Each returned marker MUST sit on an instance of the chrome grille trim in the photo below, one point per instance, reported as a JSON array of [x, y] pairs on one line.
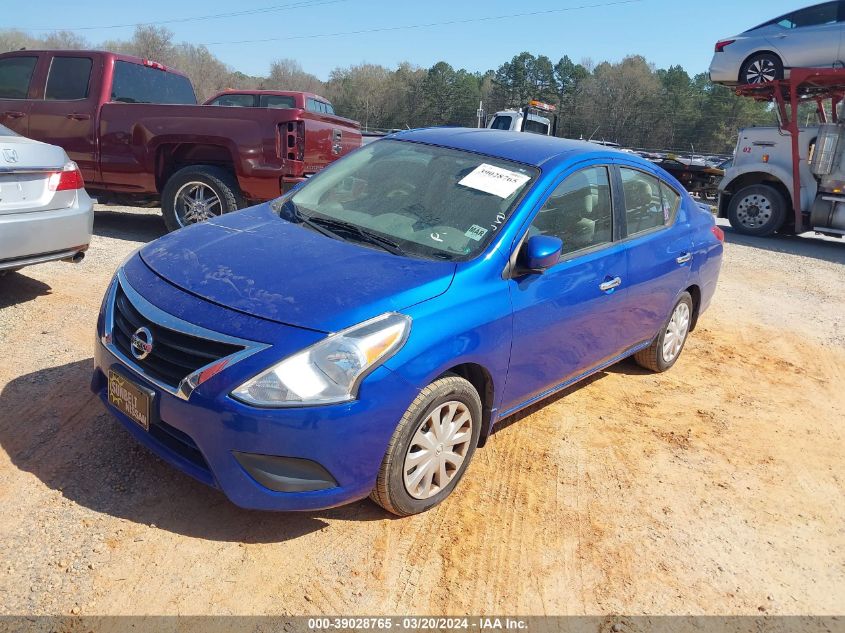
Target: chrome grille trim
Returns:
[[161, 318]]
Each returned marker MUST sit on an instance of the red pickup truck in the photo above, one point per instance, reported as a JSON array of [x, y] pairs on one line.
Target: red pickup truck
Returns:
[[133, 127]]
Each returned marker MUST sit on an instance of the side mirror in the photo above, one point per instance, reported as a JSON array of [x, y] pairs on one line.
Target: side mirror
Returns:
[[540, 253]]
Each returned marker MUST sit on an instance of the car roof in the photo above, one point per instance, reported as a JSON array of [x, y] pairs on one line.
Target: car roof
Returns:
[[531, 149]]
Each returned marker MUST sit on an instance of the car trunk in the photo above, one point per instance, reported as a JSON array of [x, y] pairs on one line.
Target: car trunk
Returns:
[[25, 170]]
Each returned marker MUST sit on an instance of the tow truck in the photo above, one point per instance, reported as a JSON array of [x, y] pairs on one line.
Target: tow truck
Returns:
[[790, 178], [527, 119]]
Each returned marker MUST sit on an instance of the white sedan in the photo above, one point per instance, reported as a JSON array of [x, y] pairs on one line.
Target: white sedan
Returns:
[[45, 213]]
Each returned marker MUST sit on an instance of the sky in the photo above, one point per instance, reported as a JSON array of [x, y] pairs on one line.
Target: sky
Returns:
[[666, 32]]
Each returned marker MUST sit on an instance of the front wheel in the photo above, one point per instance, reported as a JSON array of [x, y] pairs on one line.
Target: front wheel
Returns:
[[668, 345], [198, 193], [431, 447], [758, 210]]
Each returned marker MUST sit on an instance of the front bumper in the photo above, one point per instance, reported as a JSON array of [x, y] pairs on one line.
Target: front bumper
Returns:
[[39, 236], [301, 458]]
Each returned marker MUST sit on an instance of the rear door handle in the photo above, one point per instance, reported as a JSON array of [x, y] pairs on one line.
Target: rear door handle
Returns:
[[79, 116], [611, 284], [685, 258], [14, 115]]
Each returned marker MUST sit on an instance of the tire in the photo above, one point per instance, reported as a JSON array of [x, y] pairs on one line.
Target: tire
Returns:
[[758, 210], [391, 491], [212, 181], [654, 357], [761, 69]]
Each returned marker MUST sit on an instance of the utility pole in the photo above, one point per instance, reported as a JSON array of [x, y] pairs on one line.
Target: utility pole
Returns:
[[480, 114]]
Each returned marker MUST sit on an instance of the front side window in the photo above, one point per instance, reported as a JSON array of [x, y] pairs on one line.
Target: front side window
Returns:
[[134, 83], [314, 105], [281, 102], [235, 101], [15, 75], [579, 211], [649, 203], [68, 78], [432, 202]]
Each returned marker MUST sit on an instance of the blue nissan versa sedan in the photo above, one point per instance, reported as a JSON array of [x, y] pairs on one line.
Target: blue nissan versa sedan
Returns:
[[362, 334]]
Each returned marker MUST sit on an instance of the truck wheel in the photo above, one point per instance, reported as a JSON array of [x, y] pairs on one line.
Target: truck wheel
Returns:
[[761, 69], [197, 193], [430, 448], [757, 210]]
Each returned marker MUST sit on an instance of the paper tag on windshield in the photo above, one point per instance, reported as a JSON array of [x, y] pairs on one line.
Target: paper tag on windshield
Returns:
[[494, 180], [476, 232]]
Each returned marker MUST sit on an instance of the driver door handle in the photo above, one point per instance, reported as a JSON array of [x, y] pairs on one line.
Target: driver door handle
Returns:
[[611, 284], [79, 116], [685, 258]]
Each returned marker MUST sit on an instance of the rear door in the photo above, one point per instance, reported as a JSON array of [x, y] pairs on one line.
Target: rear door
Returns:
[[16, 79], [567, 321], [809, 37], [66, 112], [658, 243]]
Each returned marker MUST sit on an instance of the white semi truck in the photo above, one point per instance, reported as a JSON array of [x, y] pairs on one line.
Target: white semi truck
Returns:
[[790, 178], [527, 119]]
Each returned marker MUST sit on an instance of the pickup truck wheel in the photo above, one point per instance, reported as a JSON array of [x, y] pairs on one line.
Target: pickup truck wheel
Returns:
[[198, 193], [757, 210], [430, 448]]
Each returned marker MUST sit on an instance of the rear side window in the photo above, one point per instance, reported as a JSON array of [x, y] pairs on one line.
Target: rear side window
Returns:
[[134, 83], [281, 102], [827, 13], [68, 78], [579, 211], [15, 75], [235, 101], [649, 203]]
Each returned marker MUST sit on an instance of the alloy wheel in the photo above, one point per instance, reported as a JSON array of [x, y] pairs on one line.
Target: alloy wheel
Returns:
[[760, 71], [197, 202], [437, 450], [676, 332]]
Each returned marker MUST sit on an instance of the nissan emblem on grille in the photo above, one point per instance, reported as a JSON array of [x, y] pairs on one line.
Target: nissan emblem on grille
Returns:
[[142, 343]]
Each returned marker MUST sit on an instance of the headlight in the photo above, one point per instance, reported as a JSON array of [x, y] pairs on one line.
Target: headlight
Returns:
[[330, 371]]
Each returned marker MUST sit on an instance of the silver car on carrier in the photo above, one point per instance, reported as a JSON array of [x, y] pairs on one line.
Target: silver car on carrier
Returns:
[[45, 213], [807, 38]]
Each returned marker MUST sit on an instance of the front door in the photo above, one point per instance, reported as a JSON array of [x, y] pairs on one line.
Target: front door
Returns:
[[566, 321], [809, 37]]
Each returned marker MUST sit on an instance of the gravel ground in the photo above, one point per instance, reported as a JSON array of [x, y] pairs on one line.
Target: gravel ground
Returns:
[[715, 488]]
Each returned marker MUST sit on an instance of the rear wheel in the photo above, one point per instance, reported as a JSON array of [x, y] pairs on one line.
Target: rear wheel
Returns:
[[757, 210], [431, 447], [668, 345], [198, 193], [761, 68]]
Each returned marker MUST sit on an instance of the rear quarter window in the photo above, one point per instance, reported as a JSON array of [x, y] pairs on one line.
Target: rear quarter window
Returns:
[[15, 75], [134, 83], [68, 79]]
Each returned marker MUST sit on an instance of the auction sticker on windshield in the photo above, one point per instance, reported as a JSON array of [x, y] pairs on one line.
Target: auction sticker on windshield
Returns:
[[494, 180], [130, 399]]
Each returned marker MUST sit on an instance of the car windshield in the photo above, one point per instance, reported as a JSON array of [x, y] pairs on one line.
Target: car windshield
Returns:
[[417, 199]]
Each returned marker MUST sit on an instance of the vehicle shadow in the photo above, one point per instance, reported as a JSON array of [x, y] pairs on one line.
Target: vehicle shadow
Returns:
[[829, 250], [142, 225], [16, 288], [73, 445]]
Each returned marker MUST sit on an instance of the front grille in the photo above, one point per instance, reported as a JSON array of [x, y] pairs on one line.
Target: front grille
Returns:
[[178, 442], [175, 355]]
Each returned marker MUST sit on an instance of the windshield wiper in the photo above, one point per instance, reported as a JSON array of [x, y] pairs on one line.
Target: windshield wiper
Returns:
[[363, 234], [295, 215]]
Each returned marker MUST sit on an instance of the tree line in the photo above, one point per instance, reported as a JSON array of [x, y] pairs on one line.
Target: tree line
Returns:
[[630, 102]]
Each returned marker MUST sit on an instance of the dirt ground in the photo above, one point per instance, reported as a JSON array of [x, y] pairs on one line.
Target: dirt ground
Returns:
[[717, 488]]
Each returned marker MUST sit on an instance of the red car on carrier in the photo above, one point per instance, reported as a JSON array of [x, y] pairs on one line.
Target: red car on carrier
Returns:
[[134, 128]]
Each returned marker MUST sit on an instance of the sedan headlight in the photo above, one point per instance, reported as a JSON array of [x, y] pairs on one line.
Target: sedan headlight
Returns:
[[330, 371]]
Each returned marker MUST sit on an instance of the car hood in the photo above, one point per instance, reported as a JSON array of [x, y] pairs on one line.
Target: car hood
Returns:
[[254, 262]]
